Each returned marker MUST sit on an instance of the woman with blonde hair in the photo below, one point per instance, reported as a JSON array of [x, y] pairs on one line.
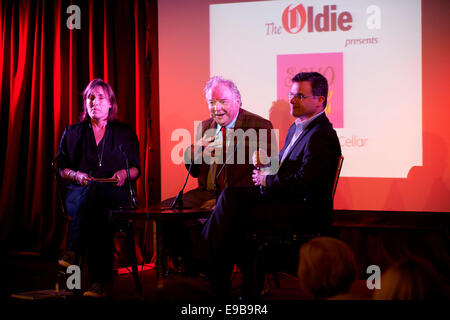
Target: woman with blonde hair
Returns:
[[410, 279], [327, 267]]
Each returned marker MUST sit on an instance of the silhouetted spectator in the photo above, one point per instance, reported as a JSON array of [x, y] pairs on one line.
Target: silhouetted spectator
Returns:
[[327, 267], [410, 279]]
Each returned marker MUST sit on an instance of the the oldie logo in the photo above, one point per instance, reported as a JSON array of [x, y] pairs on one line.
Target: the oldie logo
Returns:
[[294, 19]]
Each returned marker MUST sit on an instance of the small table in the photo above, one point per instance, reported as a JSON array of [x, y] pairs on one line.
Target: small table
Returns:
[[160, 215]]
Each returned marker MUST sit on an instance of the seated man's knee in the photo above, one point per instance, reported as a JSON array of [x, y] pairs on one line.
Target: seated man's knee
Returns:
[[237, 193], [229, 192], [226, 195]]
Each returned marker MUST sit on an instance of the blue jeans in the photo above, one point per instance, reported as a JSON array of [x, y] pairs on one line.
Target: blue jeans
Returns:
[[90, 227]]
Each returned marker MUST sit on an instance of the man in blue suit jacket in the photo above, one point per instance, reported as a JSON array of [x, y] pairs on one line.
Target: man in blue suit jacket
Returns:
[[297, 196]]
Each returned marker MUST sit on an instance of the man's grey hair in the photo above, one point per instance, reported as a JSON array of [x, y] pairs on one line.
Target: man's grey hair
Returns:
[[216, 80]]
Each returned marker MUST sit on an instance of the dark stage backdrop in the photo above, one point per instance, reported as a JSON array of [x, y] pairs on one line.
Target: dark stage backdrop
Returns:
[[44, 67]]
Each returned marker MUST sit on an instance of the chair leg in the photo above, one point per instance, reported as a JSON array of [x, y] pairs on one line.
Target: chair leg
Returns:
[[276, 278], [248, 281], [253, 278], [267, 285], [132, 254], [260, 272]]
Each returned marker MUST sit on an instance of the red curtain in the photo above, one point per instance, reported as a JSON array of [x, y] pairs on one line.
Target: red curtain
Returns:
[[44, 67]]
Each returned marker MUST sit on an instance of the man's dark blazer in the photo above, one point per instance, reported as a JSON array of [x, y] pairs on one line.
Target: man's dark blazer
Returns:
[[234, 174], [306, 176]]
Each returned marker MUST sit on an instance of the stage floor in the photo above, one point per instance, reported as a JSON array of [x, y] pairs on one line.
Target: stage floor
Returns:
[[24, 273]]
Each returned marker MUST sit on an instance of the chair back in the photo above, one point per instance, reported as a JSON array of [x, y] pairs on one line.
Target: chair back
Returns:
[[59, 190], [340, 160]]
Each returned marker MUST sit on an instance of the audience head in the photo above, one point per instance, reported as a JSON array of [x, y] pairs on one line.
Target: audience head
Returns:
[[223, 98], [98, 89], [327, 267], [410, 279]]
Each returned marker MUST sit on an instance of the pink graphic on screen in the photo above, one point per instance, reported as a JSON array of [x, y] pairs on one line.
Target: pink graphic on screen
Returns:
[[329, 65]]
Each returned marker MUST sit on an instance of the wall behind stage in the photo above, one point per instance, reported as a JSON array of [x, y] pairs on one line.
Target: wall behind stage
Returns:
[[184, 68]]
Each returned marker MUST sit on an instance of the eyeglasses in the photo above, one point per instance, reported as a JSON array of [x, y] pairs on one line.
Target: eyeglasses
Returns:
[[298, 96]]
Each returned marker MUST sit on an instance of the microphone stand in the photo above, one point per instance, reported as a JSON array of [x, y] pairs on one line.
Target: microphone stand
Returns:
[[217, 188], [178, 202], [133, 197]]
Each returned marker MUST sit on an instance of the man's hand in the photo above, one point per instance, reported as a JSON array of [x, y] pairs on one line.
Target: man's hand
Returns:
[[204, 141], [121, 177], [260, 158], [259, 179], [209, 204], [208, 145], [211, 148]]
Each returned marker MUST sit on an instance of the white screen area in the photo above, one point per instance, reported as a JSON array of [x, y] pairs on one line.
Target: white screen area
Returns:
[[370, 52]]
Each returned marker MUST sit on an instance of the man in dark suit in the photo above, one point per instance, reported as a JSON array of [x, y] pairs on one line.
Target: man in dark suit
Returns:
[[297, 195]]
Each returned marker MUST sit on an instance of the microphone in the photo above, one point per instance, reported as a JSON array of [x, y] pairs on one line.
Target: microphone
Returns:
[[133, 197], [178, 202]]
